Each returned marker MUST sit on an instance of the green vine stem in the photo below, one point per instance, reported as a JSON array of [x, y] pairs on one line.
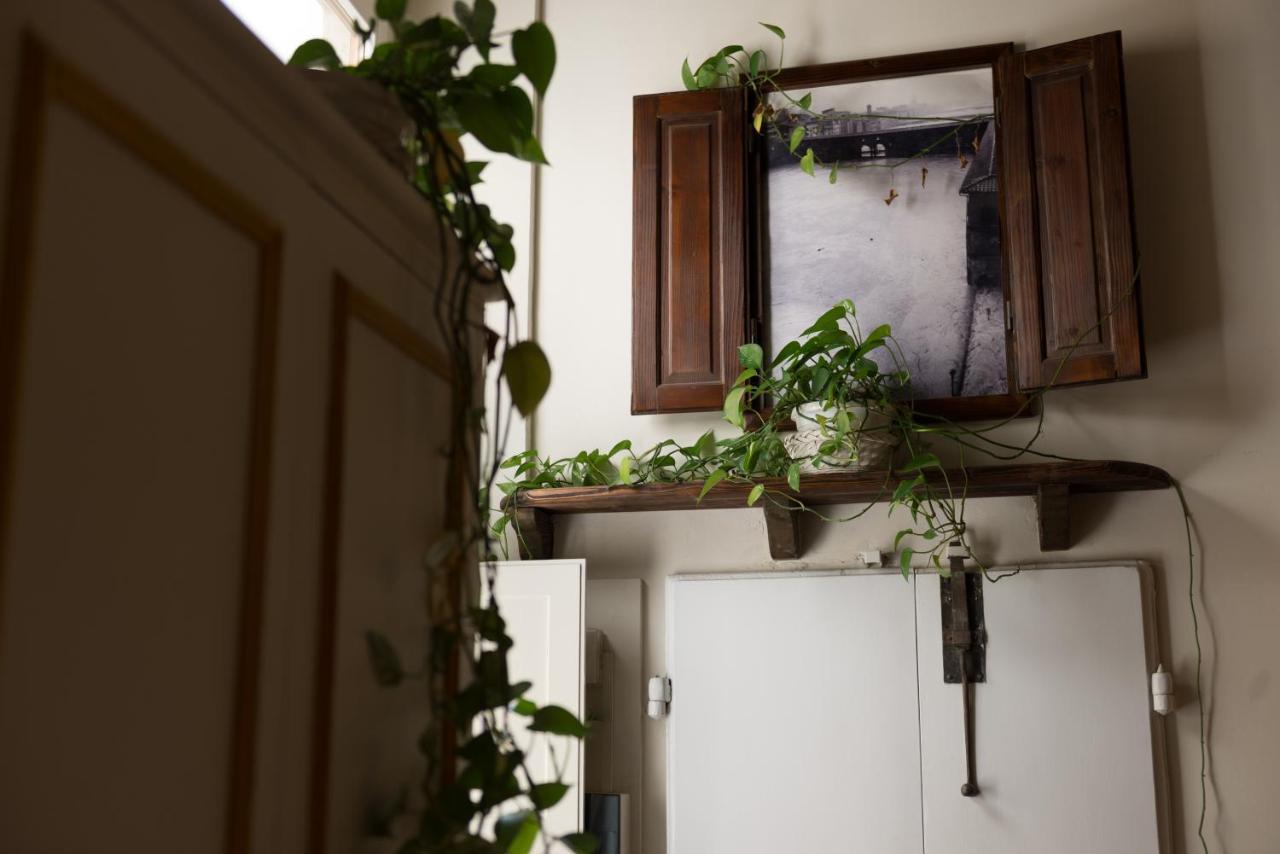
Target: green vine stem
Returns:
[[441, 72]]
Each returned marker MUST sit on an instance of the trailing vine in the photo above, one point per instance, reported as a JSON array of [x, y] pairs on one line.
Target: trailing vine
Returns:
[[733, 65], [442, 72]]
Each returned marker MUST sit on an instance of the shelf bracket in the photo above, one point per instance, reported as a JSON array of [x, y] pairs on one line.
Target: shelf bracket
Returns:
[[782, 523], [964, 651], [1053, 512], [535, 533]]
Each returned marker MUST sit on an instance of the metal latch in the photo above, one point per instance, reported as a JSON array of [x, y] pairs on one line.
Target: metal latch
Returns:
[[964, 647]]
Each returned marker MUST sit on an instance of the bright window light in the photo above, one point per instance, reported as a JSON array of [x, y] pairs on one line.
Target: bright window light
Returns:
[[282, 25]]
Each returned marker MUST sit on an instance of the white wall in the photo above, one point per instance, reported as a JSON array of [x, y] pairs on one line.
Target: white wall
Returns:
[[1201, 77]]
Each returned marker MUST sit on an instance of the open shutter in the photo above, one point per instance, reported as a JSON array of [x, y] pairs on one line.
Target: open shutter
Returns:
[[689, 265], [1069, 221]]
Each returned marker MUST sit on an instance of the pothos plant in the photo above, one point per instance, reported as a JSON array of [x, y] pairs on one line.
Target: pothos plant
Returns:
[[795, 119], [443, 72], [832, 363]]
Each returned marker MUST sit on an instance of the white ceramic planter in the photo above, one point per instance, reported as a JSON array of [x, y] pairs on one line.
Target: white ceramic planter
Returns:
[[868, 447]]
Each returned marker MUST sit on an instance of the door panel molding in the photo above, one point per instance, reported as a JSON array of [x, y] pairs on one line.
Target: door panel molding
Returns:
[[350, 305], [45, 79]]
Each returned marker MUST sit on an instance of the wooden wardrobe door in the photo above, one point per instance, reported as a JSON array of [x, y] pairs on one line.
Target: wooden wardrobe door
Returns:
[[689, 270], [1069, 217]]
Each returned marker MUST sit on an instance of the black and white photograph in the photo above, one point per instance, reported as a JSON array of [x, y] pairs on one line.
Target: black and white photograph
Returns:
[[901, 216]]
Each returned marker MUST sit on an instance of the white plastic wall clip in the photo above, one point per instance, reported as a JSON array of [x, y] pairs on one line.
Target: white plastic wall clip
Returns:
[[1162, 691], [659, 697]]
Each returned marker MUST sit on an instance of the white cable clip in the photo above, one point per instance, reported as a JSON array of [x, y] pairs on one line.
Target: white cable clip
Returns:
[[1162, 691], [659, 697]]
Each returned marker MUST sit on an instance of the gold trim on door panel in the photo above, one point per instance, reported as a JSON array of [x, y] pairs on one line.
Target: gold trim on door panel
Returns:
[[349, 304]]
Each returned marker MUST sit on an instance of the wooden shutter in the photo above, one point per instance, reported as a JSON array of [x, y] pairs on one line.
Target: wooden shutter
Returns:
[[1068, 215], [689, 265]]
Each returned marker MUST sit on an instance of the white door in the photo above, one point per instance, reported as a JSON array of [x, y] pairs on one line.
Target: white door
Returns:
[[1064, 731], [793, 714], [809, 713], [542, 602]]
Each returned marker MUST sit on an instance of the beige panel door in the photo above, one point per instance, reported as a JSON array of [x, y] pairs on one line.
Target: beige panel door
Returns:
[[131, 561]]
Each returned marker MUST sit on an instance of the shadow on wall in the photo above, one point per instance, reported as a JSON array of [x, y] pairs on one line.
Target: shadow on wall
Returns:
[[1177, 235]]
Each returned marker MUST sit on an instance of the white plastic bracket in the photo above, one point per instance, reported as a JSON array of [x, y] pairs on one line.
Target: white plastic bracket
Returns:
[[659, 697], [1162, 691]]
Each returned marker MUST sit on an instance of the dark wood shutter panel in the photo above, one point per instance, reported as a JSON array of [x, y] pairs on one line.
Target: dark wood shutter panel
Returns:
[[689, 266], [1068, 215]]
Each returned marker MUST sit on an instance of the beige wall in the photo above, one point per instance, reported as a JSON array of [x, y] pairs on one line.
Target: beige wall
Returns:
[[1201, 79]]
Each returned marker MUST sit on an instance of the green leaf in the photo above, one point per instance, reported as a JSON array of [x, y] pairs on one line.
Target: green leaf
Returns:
[[519, 109], [686, 74], [746, 375], [546, 795], [510, 829], [525, 707], [557, 721], [755, 62], [528, 375], [904, 561], [580, 843], [712, 479], [493, 74], [730, 49], [733, 406], [805, 101], [624, 471], [828, 321], [624, 445], [389, 10], [773, 28], [897, 540], [751, 356], [877, 335], [484, 119], [534, 50], [705, 447], [384, 660], [835, 172], [478, 22], [806, 163], [793, 477], [797, 136], [920, 461], [788, 350], [316, 53], [530, 150], [754, 495]]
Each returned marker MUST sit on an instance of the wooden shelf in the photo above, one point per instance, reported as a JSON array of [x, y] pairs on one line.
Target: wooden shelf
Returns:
[[1051, 484]]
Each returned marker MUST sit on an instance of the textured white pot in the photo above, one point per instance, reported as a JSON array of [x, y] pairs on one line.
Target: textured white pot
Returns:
[[868, 447]]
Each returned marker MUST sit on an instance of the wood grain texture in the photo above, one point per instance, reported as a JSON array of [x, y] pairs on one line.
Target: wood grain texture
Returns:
[[1069, 222], [848, 487], [782, 524], [535, 533], [689, 287], [1053, 516], [1051, 483]]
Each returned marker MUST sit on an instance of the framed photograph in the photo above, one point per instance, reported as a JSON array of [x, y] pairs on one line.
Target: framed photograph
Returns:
[[880, 183]]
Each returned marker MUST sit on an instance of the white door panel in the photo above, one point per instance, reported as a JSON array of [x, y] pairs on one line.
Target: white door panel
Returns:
[[793, 714], [543, 605], [1063, 725]]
